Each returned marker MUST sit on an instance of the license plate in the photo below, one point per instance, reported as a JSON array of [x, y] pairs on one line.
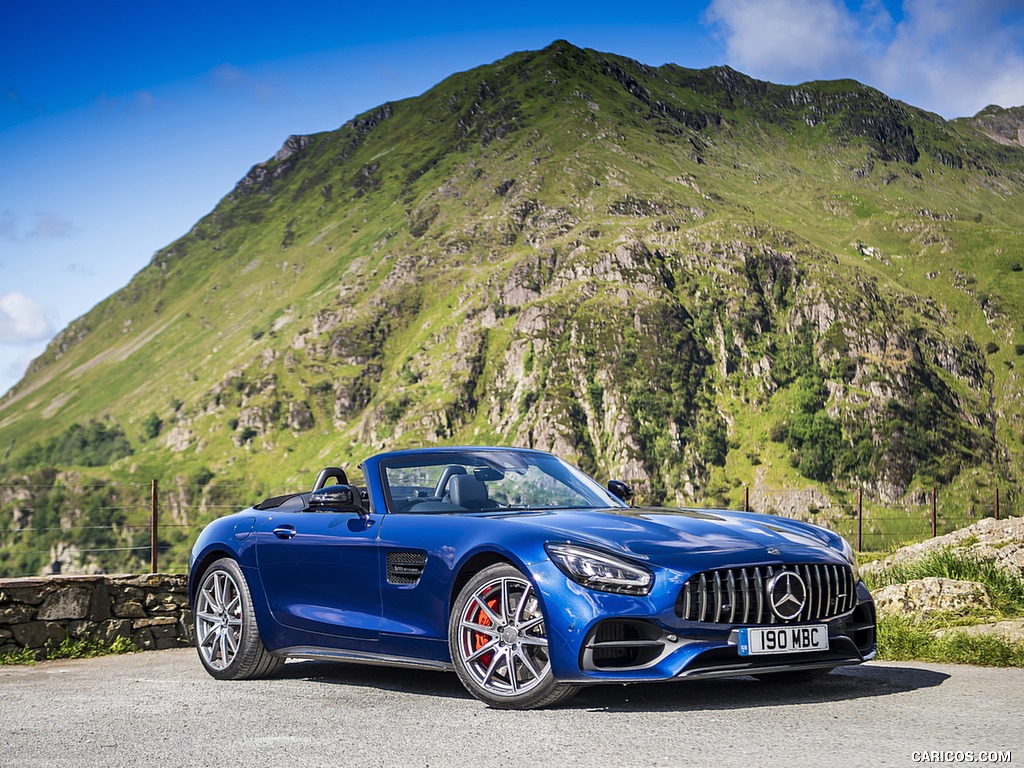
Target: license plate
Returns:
[[754, 641]]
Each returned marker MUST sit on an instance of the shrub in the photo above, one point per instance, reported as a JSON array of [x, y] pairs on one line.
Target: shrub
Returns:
[[151, 426], [93, 445], [778, 432]]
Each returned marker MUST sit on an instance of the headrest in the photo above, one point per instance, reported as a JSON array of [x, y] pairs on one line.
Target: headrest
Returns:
[[467, 491]]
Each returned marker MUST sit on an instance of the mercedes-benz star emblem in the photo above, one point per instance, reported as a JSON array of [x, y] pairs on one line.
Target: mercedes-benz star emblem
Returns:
[[787, 595]]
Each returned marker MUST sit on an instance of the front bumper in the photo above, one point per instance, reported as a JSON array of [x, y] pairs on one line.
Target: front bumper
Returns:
[[595, 637]]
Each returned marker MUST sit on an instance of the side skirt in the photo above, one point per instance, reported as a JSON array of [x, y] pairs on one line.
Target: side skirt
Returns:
[[358, 657]]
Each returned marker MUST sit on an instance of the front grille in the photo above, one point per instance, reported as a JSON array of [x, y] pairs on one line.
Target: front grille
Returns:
[[740, 595]]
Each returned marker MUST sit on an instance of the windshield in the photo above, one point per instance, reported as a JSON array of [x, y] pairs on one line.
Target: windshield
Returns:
[[473, 481]]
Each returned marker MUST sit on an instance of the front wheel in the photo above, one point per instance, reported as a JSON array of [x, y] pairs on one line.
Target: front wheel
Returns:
[[499, 644], [227, 638]]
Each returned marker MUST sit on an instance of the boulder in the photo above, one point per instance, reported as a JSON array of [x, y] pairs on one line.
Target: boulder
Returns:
[[1000, 541], [923, 598]]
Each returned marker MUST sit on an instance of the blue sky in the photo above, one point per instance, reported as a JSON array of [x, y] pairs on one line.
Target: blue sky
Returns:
[[123, 123]]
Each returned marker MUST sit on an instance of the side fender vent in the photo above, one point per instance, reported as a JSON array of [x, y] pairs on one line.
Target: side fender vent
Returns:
[[405, 567]]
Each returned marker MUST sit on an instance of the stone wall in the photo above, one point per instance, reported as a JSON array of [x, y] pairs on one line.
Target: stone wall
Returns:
[[151, 611]]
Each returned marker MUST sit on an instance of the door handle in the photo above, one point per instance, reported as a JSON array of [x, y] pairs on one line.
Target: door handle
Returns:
[[285, 531]]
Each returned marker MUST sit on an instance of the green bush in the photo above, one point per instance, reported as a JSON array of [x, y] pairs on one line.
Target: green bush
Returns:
[[94, 445], [814, 436], [778, 432], [151, 426]]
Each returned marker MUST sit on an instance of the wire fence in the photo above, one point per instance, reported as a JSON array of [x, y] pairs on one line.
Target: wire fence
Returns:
[[131, 528], [109, 527], [870, 524]]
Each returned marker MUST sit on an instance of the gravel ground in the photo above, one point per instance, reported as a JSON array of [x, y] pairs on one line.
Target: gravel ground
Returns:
[[160, 708]]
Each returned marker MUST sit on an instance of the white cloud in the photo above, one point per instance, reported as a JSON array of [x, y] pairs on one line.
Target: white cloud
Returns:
[[260, 87], [22, 320], [949, 56], [78, 268], [8, 225], [783, 40], [49, 225], [46, 225]]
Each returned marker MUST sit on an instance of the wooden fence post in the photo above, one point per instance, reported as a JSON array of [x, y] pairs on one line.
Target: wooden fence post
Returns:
[[997, 502], [860, 519], [934, 516], [746, 499], [154, 514]]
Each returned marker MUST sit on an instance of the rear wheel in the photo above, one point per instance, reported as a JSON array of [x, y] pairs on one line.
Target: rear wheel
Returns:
[[227, 638], [499, 643]]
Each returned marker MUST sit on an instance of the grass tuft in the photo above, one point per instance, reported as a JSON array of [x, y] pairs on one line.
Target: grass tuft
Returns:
[[1006, 588], [80, 648], [18, 656], [902, 639]]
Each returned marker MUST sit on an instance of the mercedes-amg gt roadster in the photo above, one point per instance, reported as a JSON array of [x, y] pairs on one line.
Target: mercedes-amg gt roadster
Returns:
[[525, 576]]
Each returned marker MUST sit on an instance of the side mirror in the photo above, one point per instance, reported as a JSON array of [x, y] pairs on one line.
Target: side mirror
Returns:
[[337, 498], [620, 490]]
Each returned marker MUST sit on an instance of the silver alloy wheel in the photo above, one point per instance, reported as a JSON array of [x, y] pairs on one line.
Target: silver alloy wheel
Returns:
[[501, 637], [218, 619]]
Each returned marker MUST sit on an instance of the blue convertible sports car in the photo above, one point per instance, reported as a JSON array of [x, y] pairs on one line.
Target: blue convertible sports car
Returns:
[[525, 576]]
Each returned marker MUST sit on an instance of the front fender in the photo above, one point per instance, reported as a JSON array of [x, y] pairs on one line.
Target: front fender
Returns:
[[225, 537]]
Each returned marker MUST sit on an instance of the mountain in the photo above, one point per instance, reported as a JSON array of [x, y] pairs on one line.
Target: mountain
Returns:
[[1003, 125], [689, 279]]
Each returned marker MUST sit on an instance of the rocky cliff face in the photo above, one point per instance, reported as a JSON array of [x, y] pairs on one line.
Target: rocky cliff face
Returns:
[[1003, 125]]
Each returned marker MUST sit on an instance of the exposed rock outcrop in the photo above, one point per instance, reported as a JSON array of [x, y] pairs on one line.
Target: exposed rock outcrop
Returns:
[[922, 599], [998, 541]]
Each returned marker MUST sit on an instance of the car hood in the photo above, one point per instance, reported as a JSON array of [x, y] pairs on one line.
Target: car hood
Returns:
[[661, 535]]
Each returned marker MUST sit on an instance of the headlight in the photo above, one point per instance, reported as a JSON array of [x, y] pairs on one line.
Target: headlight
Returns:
[[600, 571]]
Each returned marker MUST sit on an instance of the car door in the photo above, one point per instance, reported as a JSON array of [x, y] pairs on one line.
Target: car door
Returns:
[[321, 573]]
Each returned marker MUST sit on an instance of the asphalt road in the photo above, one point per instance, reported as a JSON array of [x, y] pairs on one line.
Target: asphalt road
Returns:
[[161, 709]]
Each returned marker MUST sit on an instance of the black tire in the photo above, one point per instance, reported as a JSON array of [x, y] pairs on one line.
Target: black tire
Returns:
[[794, 676], [227, 638], [498, 642]]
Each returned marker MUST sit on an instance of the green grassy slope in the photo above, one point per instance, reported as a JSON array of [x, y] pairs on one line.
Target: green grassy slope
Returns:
[[690, 279]]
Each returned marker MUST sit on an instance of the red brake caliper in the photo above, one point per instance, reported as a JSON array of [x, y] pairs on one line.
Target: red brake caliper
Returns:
[[480, 640]]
